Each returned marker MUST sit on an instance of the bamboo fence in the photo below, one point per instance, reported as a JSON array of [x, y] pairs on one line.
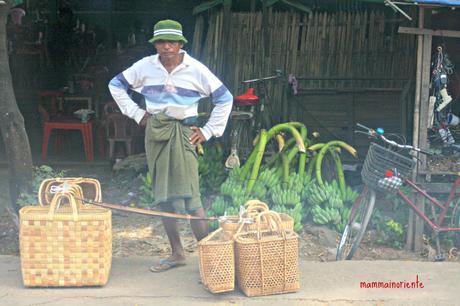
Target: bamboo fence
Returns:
[[324, 50]]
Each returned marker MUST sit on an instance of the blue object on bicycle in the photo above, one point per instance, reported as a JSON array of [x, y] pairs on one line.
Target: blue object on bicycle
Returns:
[[380, 131]]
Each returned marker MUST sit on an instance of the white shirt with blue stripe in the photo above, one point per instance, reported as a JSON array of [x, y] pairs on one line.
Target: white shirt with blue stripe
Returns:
[[176, 94]]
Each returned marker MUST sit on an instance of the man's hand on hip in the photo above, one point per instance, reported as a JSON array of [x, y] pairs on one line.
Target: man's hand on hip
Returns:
[[197, 136], [144, 119]]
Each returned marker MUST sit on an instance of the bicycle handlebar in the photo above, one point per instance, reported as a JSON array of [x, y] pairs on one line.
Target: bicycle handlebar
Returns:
[[279, 74], [379, 135]]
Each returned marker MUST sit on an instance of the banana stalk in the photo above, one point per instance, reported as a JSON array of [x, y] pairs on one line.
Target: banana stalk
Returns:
[[247, 165], [285, 167], [344, 145], [339, 169], [311, 165], [199, 149], [281, 142], [303, 155], [327, 147], [295, 150], [260, 149], [287, 127], [316, 147]]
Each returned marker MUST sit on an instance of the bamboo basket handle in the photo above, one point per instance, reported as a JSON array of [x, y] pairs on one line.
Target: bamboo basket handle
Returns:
[[53, 182], [240, 228], [54, 203], [210, 236], [254, 208], [77, 192], [45, 187], [69, 188], [42, 191], [255, 203], [273, 220]]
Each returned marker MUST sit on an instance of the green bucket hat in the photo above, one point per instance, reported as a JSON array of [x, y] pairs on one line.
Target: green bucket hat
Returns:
[[168, 30]]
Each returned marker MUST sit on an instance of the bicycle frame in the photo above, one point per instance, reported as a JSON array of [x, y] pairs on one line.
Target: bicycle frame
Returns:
[[436, 226]]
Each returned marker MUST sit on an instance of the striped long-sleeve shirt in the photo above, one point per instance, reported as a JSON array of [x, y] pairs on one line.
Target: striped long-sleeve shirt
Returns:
[[176, 94]]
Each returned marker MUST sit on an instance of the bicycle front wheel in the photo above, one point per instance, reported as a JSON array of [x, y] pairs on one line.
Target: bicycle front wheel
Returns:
[[354, 230]]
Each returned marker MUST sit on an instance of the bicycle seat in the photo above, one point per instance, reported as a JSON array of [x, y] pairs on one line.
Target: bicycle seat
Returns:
[[246, 99]]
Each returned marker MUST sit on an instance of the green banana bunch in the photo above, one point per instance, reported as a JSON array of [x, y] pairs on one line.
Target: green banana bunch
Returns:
[[229, 187], [346, 213], [218, 206], [259, 191], [326, 215], [232, 211], [333, 215], [284, 197], [203, 166], [319, 215], [269, 178], [234, 174], [295, 183], [317, 195], [349, 196], [280, 209], [240, 200], [212, 224], [334, 190]]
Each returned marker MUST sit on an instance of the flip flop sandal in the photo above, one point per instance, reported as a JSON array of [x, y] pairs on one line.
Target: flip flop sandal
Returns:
[[166, 264]]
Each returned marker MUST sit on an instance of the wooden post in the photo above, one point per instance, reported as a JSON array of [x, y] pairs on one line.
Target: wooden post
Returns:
[[423, 137], [418, 77]]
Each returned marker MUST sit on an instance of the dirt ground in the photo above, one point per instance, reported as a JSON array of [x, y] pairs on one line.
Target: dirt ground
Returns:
[[139, 235]]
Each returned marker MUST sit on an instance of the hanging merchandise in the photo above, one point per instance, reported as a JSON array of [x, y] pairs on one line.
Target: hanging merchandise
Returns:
[[440, 106], [442, 67], [446, 136]]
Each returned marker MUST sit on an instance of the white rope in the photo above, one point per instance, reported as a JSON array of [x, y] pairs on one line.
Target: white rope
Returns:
[[60, 188], [63, 188]]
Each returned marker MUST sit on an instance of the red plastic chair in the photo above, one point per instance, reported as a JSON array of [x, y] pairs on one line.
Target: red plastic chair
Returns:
[[86, 129]]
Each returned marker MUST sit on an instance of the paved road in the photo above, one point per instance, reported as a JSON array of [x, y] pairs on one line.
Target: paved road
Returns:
[[328, 283]]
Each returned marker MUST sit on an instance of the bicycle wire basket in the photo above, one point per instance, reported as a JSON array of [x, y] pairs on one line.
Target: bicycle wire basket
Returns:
[[379, 160]]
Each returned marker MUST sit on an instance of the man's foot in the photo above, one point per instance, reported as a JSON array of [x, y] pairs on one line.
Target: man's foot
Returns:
[[166, 264]]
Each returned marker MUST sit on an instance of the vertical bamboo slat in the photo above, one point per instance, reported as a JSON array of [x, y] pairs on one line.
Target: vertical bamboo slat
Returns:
[[345, 44]]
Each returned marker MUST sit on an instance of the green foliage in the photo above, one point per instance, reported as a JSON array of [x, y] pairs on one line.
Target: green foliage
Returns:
[[389, 231], [146, 195], [39, 175], [393, 233]]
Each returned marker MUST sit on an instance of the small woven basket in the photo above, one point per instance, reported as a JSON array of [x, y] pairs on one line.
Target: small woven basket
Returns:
[[66, 243], [267, 261], [217, 262], [91, 188]]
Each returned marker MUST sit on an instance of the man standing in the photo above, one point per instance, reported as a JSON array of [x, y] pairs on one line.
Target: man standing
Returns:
[[172, 83]]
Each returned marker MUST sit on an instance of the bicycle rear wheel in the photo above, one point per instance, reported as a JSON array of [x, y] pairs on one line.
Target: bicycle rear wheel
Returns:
[[354, 230], [457, 224]]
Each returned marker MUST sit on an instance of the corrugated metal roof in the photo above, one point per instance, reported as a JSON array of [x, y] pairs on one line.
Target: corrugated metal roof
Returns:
[[439, 2], [422, 2]]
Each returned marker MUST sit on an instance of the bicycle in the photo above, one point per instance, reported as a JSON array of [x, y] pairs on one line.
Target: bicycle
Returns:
[[248, 117], [386, 170]]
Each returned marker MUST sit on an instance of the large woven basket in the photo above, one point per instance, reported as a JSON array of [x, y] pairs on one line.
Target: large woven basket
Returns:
[[91, 188], [217, 262], [267, 261], [65, 244]]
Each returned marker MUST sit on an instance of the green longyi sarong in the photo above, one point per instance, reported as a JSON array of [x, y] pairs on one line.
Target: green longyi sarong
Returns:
[[172, 162]]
